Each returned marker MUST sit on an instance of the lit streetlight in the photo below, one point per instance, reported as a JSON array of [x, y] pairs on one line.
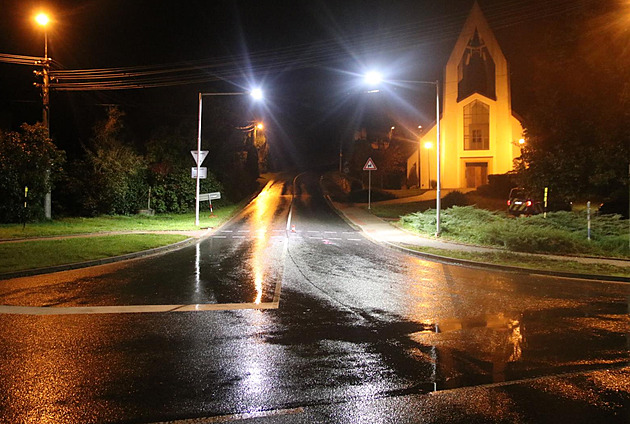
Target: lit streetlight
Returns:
[[374, 78], [256, 94]]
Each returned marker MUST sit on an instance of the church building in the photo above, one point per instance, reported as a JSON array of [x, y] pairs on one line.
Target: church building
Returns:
[[478, 131]]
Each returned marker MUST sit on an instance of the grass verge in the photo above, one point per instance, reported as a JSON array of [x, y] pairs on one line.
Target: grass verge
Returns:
[[44, 253], [529, 261], [162, 222]]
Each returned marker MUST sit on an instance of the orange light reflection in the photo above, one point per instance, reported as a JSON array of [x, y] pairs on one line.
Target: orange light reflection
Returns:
[[262, 216]]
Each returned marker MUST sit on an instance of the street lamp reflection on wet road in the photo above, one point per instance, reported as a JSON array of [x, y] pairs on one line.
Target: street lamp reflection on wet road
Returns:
[[262, 217]]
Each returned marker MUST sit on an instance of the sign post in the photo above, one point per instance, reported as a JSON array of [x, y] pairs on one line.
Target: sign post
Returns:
[[199, 155], [369, 166]]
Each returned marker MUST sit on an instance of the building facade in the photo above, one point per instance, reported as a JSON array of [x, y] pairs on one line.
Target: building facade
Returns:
[[478, 130]]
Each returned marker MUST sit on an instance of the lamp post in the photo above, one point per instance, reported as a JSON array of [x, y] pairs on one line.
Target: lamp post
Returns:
[[373, 78], [42, 20], [256, 94]]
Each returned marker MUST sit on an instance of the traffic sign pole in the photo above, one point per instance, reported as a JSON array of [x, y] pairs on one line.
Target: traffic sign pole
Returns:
[[369, 189], [369, 166]]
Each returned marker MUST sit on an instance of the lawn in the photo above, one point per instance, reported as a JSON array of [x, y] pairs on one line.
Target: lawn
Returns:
[[37, 253], [529, 261], [44, 253], [162, 222]]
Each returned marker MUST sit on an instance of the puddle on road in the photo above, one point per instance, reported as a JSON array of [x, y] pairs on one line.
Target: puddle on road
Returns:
[[506, 347]]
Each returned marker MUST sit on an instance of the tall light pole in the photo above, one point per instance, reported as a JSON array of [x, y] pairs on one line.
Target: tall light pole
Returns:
[[256, 94], [43, 20], [373, 78]]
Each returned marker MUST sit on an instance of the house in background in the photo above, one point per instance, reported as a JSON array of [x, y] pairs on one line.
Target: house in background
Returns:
[[479, 132]]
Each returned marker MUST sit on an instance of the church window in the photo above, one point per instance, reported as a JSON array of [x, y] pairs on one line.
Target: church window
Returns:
[[476, 70], [476, 126]]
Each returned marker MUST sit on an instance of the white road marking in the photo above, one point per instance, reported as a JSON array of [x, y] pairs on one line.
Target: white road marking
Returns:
[[236, 417], [84, 310]]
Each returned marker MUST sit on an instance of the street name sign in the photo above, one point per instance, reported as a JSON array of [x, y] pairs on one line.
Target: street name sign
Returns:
[[203, 172], [209, 196]]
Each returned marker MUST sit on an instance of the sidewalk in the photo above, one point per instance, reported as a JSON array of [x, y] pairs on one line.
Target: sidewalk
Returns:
[[382, 232]]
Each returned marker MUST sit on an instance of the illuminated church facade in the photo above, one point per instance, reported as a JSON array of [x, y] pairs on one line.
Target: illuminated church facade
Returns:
[[478, 130]]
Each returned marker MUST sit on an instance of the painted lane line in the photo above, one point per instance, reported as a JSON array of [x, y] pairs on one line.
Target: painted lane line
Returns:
[[311, 231], [335, 238], [236, 417], [227, 231], [330, 232], [354, 239], [243, 231], [221, 237], [238, 237], [86, 310]]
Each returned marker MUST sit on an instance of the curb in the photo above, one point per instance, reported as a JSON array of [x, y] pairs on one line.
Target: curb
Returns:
[[505, 268], [483, 265], [95, 262]]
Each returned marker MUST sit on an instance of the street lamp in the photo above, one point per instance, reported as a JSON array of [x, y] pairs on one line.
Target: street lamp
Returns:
[[374, 78], [43, 20], [256, 94]]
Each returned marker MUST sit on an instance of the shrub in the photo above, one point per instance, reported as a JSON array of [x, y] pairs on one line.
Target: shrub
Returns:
[[455, 198], [561, 232]]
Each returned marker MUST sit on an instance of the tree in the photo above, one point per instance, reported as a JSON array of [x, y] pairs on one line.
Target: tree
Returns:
[[169, 176], [578, 127], [111, 178], [26, 158]]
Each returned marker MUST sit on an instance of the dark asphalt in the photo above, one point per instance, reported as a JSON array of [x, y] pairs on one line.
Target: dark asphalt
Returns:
[[359, 334]]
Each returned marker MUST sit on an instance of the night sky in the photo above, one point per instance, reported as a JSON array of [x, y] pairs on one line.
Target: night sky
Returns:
[[307, 55]]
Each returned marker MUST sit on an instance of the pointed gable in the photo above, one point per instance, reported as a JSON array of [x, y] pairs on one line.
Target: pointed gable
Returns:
[[477, 55]]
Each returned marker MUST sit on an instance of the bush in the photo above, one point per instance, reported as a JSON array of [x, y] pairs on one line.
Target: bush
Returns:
[[26, 157], [455, 198], [561, 232]]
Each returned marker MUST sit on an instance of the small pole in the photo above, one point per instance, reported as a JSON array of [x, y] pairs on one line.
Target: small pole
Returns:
[[369, 189], [340, 155], [588, 219], [545, 200], [149, 201]]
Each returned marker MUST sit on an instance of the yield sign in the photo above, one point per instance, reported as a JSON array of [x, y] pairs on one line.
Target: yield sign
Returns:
[[202, 156], [369, 165]]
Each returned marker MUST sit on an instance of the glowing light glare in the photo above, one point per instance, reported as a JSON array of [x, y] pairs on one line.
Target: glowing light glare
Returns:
[[42, 19], [256, 94], [521, 141], [373, 78], [428, 145], [260, 126]]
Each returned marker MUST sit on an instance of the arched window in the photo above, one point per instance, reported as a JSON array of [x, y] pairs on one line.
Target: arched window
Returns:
[[476, 126]]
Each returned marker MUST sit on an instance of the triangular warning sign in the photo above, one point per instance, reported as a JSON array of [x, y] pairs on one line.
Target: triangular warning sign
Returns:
[[369, 165], [202, 155]]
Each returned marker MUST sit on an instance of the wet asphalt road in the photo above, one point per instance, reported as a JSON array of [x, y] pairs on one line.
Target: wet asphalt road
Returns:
[[349, 331]]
